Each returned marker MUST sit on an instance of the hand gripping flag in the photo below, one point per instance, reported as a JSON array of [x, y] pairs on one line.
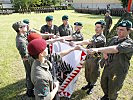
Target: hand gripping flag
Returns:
[[69, 69]]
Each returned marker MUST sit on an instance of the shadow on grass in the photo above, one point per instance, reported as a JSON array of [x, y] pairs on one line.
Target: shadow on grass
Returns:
[[78, 95], [15, 91], [132, 98]]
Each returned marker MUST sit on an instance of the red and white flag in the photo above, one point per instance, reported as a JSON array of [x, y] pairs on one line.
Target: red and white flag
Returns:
[[72, 64]]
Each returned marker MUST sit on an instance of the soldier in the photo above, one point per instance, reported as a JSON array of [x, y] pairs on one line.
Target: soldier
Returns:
[[91, 64], [108, 20], [77, 36], [21, 44], [41, 77], [65, 29], [117, 57], [26, 21], [49, 27]]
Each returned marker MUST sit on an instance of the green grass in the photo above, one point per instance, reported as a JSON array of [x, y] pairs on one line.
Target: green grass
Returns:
[[12, 72]]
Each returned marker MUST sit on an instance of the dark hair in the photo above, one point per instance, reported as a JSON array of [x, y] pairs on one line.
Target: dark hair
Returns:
[[102, 26], [35, 56], [17, 31], [128, 28], [102, 23]]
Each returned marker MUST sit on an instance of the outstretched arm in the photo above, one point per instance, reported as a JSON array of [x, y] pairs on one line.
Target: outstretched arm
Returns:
[[106, 50], [64, 53]]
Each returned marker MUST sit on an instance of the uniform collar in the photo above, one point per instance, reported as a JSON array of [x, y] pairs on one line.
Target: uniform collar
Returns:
[[77, 32], [51, 27], [122, 38], [21, 35], [44, 64], [65, 25], [98, 34]]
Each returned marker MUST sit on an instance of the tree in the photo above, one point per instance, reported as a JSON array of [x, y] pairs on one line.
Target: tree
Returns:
[[55, 2], [124, 3], [28, 3], [25, 3], [36, 2]]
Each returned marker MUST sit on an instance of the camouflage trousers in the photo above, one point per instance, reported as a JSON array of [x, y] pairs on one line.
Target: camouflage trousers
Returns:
[[92, 70], [112, 82], [27, 65]]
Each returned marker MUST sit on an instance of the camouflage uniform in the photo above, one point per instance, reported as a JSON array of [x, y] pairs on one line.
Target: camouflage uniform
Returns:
[[42, 80], [108, 20], [65, 30], [116, 67], [91, 65], [52, 30], [77, 36], [21, 44]]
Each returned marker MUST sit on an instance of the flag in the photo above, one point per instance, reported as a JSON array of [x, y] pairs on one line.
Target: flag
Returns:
[[69, 68]]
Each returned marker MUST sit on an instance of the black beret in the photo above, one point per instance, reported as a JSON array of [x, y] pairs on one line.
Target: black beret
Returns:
[[102, 22], [125, 23], [78, 24]]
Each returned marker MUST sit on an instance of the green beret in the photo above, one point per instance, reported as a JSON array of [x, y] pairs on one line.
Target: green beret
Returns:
[[78, 24], [26, 21], [65, 17], [18, 25], [125, 23], [49, 18], [102, 22]]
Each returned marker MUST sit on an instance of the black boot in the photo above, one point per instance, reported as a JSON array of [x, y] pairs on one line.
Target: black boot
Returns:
[[90, 89], [30, 93], [105, 97], [86, 87]]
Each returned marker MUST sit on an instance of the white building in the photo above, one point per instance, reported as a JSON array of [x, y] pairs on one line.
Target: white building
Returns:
[[96, 3], [6, 4]]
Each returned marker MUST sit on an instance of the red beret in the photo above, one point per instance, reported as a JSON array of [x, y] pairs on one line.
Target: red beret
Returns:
[[36, 46], [33, 36]]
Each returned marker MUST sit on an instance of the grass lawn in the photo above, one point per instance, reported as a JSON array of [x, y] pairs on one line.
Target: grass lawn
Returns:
[[12, 72]]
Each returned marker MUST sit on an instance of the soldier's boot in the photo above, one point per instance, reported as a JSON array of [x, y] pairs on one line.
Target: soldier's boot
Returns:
[[30, 93], [105, 97], [90, 90], [86, 86]]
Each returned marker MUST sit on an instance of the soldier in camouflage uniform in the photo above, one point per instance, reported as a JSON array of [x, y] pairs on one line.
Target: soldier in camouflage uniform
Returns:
[[91, 64], [108, 20], [21, 44], [26, 21], [45, 88], [77, 35], [65, 29], [49, 27], [117, 57]]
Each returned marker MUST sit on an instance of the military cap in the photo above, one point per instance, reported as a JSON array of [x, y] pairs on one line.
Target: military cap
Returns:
[[26, 21], [33, 35], [78, 24], [49, 18], [102, 22], [65, 17], [125, 23], [36, 46], [18, 25]]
